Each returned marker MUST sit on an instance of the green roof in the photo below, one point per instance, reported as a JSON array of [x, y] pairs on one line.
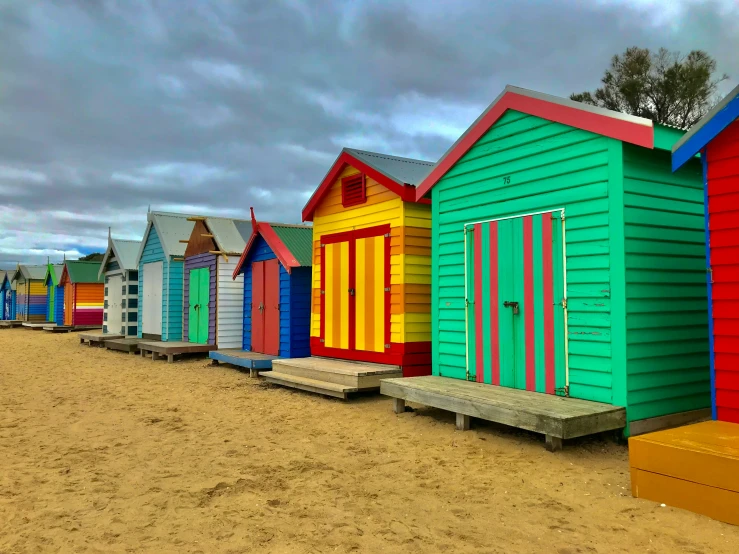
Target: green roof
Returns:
[[84, 272], [298, 239]]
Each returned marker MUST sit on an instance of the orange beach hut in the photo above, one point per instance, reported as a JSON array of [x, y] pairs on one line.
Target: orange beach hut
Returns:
[[84, 293]]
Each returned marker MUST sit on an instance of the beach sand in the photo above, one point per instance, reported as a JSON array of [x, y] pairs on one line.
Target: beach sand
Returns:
[[105, 452]]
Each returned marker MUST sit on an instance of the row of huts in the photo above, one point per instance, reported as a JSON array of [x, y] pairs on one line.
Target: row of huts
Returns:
[[553, 252]]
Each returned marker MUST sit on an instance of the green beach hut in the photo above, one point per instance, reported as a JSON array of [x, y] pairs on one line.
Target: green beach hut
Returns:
[[568, 260]]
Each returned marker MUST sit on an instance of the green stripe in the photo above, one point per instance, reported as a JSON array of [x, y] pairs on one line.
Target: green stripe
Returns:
[[539, 302], [471, 343], [559, 294], [505, 288], [486, 348]]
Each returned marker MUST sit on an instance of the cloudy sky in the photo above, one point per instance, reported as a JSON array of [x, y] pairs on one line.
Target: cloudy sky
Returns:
[[212, 106]]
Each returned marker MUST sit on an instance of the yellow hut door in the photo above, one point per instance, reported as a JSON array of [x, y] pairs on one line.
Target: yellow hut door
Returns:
[[355, 285]]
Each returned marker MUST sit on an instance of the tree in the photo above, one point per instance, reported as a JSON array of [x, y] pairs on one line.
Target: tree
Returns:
[[665, 86], [94, 257]]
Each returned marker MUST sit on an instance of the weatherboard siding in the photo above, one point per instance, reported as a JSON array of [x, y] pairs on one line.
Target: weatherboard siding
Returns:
[[525, 164], [300, 308], [666, 297], [200, 261], [723, 207], [37, 305], [230, 309]]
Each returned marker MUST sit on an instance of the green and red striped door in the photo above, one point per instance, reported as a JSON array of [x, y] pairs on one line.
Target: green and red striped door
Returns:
[[516, 313]]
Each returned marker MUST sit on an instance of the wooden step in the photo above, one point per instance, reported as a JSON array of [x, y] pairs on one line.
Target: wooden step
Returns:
[[306, 384], [360, 376]]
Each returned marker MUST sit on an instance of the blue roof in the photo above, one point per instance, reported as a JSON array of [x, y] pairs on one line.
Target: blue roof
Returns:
[[707, 129]]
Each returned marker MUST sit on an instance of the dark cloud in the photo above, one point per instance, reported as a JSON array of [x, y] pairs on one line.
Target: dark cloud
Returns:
[[108, 107]]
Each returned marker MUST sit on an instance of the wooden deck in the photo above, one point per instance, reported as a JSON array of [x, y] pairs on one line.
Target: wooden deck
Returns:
[[253, 361], [329, 376], [695, 468], [97, 338], [555, 417], [38, 326], [157, 349], [130, 345], [9, 324]]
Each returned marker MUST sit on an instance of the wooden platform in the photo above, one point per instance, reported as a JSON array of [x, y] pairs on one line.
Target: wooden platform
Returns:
[[695, 468], [97, 338], [555, 417], [171, 349], [253, 361], [5, 324], [38, 326], [329, 376], [130, 345]]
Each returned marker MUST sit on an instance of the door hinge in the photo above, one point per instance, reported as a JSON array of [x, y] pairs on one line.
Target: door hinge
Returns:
[[387, 289], [709, 270], [323, 340], [323, 245], [564, 303], [387, 346], [564, 390], [387, 235], [323, 292]]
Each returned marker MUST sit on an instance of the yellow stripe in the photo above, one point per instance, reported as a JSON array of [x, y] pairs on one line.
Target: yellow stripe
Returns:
[[361, 295], [328, 294], [344, 295], [379, 270]]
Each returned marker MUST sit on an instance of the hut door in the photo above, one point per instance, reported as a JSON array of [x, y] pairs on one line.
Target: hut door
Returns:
[[50, 308], [151, 323], [516, 308], [199, 305], [114, 310], [355, 281], [265, 307]]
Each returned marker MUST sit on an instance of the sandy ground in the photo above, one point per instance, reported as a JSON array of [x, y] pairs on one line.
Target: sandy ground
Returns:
[[105, 452]]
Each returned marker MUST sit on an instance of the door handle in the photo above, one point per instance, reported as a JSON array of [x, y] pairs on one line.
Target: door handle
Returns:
[[351, 292], [514, 305], [261, 307]]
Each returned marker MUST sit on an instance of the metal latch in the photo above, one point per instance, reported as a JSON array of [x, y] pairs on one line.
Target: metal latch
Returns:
[[514, 305]]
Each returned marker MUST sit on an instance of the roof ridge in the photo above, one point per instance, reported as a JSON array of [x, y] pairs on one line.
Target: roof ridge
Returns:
[[390, 156]]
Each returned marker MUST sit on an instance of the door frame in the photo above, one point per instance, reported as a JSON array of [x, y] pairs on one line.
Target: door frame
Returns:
[[110, 278], [351, 353], [144, 313], [564, 286]]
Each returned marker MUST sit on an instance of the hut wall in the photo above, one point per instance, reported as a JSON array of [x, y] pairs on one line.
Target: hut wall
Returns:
[[299, 282], [37, 301], [88, 308], [198, 262], [230, 309], [69, 303], [722, 180]]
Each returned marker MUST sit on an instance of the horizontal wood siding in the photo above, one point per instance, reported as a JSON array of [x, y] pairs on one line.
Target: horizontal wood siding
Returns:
[[21, 301], [300, 307], [37, 306], [174, 275], [259, 252], [285, 313], [59, 305], [200, 261], [525, 164], [230, 308], [89, 300], [666, 296], [152, 252], [723, 208]]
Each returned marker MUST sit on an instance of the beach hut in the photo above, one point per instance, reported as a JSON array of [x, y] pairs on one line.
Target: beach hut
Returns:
[[213, 310], [54, 293], [696, 467], [7, 287], [3, 277], [160, 262], [567, 263], [274, 272], [83, 294], [31, 294], [371, 283], [120, 274]]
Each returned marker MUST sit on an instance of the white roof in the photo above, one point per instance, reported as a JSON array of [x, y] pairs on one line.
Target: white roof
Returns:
[[230, 235], [125, 251], [171, 229]]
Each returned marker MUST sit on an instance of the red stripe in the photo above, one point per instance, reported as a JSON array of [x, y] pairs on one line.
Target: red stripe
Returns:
[[528, 298], [479, 370], [388, 296], [352, 297], [548, 283], [494, 307], [322, 269]]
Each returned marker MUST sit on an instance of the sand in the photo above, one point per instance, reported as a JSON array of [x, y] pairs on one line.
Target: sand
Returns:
[[105, 452]]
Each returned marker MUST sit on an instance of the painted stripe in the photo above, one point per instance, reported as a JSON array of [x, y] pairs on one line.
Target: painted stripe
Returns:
[[709, 281], [494, 307], [362, 292], [477, 265], [548, 284], [347, 323], [483, 371], [528, 305], [378, 267], [540, 368], [388, 281], [322, 298]]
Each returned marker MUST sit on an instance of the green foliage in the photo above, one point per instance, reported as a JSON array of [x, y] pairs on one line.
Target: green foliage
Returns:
[[94, 257], [665, 86]]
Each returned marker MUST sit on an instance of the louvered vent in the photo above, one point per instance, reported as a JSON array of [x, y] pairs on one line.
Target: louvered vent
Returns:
[[353, 191]]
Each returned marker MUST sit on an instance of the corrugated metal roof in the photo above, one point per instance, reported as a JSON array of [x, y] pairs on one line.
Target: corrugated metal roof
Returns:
[[84, 272], [403, 170], [298, 239], [33, 272], [172, 228], [228, 233], [126, 251]]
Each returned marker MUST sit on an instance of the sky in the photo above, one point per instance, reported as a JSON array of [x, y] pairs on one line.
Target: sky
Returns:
[[209, 107]]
